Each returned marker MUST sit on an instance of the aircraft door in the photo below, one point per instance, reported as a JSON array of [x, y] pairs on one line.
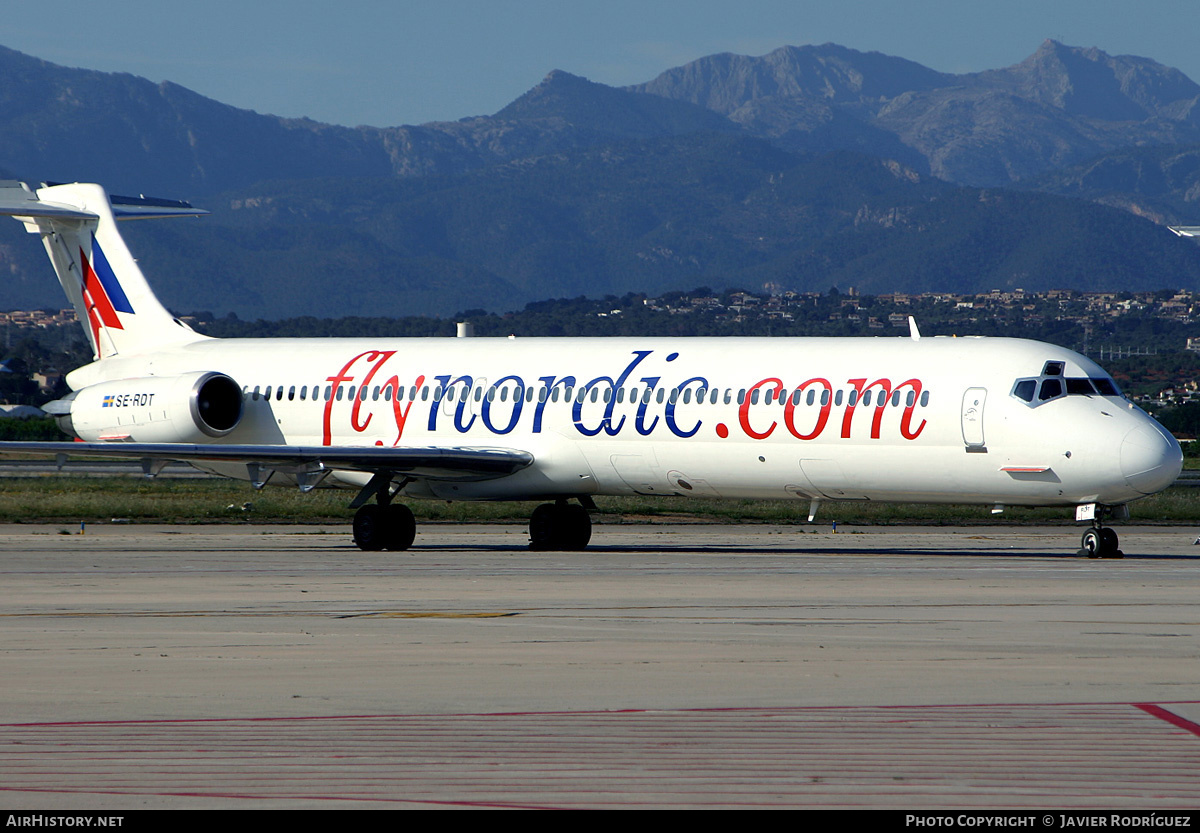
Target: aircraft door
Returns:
[[450, 405], [972, 419]]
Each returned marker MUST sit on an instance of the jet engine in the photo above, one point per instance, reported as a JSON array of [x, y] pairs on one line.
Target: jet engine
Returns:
[[195, 407]]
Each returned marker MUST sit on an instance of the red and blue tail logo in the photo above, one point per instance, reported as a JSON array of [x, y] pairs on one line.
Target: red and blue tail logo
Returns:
[[102, 293]]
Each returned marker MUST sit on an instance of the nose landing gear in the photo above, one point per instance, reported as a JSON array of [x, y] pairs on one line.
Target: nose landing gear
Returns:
[[1100, 542]]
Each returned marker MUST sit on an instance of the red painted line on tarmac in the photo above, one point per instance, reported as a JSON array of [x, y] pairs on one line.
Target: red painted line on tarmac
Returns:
[[1170, 717], [1157, 711]]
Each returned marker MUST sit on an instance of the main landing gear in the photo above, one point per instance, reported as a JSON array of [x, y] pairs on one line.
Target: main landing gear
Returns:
[[391, 527], [382, 525], [559, 526]]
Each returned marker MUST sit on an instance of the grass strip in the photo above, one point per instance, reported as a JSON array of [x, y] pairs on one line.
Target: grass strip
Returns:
[[75, 498]]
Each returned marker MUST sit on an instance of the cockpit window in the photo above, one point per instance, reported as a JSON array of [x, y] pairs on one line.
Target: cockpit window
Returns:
[[1051, 389], [1024, 389], [1053, 385]]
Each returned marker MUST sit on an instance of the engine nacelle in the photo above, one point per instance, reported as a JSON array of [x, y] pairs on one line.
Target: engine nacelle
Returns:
[[195, 407]]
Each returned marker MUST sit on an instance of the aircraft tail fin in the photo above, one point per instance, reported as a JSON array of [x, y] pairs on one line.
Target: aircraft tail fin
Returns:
[[113, 301]]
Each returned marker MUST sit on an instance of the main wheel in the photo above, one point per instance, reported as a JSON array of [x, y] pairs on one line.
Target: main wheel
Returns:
[[576, 528], [400, 527], [545, 528], [559, 526], [370, 528]]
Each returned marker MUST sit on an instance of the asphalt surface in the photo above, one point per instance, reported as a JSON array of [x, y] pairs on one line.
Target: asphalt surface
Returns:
[[667, 666]]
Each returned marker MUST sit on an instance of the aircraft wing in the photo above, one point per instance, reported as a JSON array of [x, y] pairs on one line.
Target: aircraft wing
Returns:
[[427, 462]]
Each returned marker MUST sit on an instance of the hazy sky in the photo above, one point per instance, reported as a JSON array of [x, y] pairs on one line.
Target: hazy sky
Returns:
[[388, 63]]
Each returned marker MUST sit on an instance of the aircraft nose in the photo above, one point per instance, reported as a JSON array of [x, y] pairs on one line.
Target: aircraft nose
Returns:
[[1150, 459]]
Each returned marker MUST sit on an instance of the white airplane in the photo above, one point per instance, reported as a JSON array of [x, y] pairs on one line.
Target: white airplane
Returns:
[[992, 421]]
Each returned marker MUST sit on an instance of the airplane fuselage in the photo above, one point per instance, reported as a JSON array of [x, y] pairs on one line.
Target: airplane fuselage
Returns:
[[888, 419]]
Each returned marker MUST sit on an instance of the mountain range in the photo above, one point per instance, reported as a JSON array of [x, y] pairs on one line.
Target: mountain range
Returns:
[[804, 168]]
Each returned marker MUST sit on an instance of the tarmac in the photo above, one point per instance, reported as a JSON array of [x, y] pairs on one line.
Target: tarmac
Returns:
[[696, 665]]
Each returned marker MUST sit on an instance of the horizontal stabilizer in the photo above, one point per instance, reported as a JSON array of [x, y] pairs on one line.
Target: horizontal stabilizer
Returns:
[[17, 200]]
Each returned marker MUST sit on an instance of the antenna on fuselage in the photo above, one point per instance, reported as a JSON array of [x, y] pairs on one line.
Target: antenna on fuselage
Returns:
[[913, 332]]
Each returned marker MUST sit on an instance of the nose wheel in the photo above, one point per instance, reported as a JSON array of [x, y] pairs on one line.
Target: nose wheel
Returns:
[[1100, 542]]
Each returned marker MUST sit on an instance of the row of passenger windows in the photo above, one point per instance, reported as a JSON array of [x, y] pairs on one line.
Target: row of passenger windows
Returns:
[[578, 394]]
